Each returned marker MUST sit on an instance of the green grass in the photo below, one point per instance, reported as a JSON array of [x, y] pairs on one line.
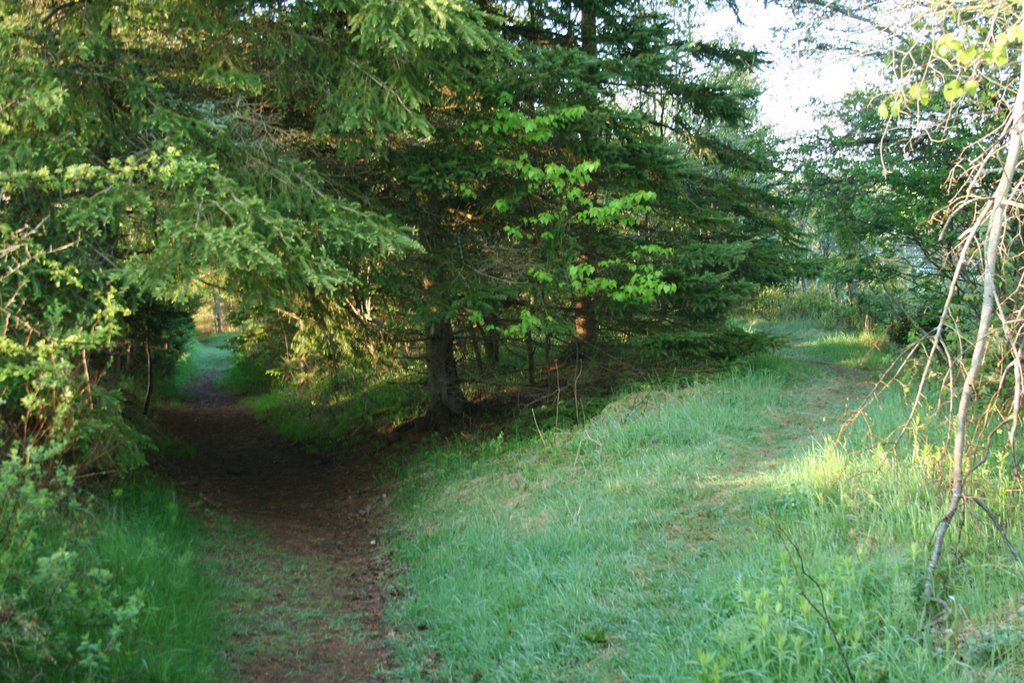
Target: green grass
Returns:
[[663, 541], [323, 416], [153, 546], [825, 305], [209, 354], [111, 586]]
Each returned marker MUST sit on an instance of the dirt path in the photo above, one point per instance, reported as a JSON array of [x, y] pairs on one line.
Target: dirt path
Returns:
[[315, 580]]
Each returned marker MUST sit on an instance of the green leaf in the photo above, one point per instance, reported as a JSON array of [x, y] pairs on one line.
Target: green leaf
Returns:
[[953, 90]]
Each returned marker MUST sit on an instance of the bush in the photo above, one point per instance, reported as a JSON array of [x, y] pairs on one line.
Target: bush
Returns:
[[60, 617], [720, 344], [98, 590]]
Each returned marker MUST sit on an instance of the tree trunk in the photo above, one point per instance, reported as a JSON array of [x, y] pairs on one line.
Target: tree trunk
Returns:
[[531, 365], [478, 351], [217, 324], [149, 379], [588, 31], [583, 320], [445, 400], [492, 341]]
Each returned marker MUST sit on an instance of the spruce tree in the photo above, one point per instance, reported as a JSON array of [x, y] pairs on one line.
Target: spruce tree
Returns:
[[592, 180]]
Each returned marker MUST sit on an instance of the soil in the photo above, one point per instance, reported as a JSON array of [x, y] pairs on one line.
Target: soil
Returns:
[[317, 516]]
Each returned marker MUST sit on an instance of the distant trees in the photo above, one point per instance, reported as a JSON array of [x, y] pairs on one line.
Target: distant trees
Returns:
[[869, 200]]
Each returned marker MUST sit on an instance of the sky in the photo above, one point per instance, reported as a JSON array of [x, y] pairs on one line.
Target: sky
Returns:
[[791, 82]]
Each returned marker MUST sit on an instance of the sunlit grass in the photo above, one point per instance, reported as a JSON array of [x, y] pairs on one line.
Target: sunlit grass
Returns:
[[203, 356], [663, 540]]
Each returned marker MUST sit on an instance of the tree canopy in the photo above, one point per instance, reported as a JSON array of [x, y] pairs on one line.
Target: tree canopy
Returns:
[[358, 174]]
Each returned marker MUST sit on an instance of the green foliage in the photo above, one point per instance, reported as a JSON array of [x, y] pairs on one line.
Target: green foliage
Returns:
[[816, 302], [276, 150], [330, 410], [47, 395], [59, 612], [873, 211], [966, 53], [139, 155], [723, 343], [568, 169], [102, 591]]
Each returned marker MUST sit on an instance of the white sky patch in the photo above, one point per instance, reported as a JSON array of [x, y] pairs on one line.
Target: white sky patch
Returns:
[[792, 82]]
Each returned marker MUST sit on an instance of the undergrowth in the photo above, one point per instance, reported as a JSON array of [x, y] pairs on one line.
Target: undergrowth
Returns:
[[107, 587], [142, 533], [827, 307], [326, 409], [105, 579], [319, 410]]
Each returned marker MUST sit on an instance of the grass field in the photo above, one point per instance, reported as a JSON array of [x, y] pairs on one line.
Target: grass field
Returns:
[[699, 531]]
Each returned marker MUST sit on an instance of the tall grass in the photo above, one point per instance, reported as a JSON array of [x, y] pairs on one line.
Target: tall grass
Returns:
[[822, 304], [697, 533], [115, 590], [154, 547]]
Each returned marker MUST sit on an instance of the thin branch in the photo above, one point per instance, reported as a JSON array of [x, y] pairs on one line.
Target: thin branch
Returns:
[[999, 527], [820, 608]]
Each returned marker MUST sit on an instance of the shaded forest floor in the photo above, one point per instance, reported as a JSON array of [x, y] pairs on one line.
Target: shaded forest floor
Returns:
[[303, 533]]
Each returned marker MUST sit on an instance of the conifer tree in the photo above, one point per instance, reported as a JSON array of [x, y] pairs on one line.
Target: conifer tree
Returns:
[[151, 144], [593, 181]]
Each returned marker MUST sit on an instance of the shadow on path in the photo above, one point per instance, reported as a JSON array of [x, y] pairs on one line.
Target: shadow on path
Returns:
[[320, 515]]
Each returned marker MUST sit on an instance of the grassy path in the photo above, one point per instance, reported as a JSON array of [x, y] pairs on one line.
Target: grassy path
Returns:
[[686, 533], [673, 538]]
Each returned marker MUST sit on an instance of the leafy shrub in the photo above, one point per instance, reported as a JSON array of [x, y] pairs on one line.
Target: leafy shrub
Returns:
[[905, 315], [59, 616], [722, 343], [49, 395], [108, 589]]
